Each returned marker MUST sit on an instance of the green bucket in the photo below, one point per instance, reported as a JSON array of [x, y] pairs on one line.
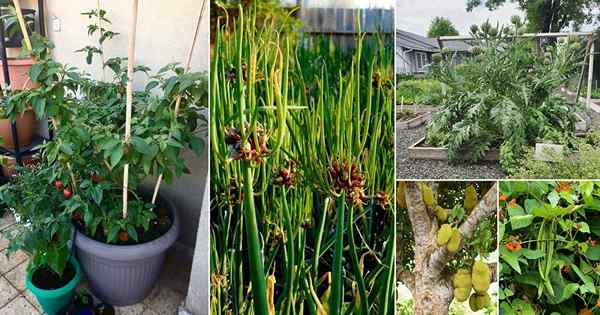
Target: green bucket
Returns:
[[54, 300]]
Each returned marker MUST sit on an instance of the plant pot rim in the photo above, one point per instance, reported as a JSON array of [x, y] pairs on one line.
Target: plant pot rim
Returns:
[[20, 61], [135, 251], [71, 285]]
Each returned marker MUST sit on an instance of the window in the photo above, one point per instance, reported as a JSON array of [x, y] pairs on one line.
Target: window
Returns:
[[421, 61]]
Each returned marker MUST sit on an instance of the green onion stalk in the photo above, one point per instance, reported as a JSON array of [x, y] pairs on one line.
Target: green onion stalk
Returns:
[[302, 172]]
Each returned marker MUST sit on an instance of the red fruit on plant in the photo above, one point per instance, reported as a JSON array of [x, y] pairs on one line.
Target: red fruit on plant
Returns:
[[123, 236], [58, 184], [76, 217], [67, 193], [585, 311], [510, 247], [503, 197], [97, 178]]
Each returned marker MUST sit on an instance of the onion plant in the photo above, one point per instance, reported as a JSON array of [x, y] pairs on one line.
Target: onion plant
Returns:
[[302, 173]]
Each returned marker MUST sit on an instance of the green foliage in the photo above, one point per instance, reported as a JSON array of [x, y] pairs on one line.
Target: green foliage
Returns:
[[504, 97], [549, 250], [88, 153], [419, 91], [99, 22], [290, 125], [575, 13], [441, 26], [582, 162], [43, 228]]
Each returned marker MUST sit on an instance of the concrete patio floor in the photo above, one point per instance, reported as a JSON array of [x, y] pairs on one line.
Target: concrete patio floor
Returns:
[[165, 298]]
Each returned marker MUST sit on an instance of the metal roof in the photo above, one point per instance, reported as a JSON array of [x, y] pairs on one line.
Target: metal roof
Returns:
[[413, 41]]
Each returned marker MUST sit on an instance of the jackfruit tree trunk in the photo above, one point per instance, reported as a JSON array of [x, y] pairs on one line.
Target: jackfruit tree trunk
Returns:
[[429, 283]]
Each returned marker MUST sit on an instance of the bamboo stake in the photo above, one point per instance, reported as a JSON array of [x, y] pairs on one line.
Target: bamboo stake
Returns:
[[22, 24], [130, 61], [178, 100]]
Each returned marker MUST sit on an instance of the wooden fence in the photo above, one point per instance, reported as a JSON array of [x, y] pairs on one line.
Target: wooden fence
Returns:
[[342, 23]]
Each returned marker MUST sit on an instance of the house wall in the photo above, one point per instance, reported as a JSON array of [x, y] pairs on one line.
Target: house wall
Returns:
[[164, 35]]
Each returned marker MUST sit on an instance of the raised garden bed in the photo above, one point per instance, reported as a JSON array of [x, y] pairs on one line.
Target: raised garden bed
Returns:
[[413, 121], [421, 151]]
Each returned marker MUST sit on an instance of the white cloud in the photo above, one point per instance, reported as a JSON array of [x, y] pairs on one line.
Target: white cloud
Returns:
[[415, 16]]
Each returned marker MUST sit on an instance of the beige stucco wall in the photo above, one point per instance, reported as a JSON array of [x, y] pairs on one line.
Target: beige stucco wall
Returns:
[[164, 35]]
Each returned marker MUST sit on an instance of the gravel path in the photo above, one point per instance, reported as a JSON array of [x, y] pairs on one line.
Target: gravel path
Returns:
[[430, 169]]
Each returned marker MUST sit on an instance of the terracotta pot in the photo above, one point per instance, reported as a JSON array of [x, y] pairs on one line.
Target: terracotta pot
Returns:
[[18, 70], [25, 126]]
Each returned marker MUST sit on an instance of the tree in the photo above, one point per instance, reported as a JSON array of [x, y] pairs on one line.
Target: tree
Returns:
[[423, 266], [549, 15], [441, 26]]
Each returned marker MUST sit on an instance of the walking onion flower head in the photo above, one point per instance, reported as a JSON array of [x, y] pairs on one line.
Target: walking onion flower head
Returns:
[[346, 177], [382, 199], [252, 150], [286, 176]]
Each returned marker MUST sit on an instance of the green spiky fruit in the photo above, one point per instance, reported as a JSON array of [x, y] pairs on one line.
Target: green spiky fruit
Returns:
[[444, 234], [441, 214], [428, 196], [462, 279], [478, 301], [480, 277], [454, 242], [470, 198], [461, 294]]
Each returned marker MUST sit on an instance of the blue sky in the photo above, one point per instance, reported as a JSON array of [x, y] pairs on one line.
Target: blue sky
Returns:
[[415, 16]]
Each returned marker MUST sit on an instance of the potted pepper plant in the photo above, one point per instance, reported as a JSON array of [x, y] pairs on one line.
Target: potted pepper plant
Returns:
[[43, 231]]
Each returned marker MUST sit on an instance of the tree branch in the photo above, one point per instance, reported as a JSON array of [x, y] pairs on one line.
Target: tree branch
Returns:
[[486, 207], [408, 279], [418, 214]]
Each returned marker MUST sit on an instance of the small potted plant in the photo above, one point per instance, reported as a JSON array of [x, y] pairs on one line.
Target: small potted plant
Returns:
[[43, 231]]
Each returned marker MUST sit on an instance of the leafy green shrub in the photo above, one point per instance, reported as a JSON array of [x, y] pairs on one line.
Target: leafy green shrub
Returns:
[[583, 164], [419, 91], [503, 96], [549, 249]]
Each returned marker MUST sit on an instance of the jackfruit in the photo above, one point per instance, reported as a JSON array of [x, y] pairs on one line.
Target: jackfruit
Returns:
[[428, 197], [480, 277], [470, 198], [443, 235], [454, 242], [479, 301], [441, 214], [401, 195], [461, 294], [462, 279]]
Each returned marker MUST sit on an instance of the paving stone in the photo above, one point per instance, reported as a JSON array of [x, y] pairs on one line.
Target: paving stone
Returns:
[[7, 292], [16, 277], [19, 306], [151, 312], [165, 302], [32, 299], [136, 309], [6, 220], [6, 264]]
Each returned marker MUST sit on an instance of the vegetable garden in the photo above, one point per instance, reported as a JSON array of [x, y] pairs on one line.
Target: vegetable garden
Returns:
[[506, 98], [302, 172], [549, 253]]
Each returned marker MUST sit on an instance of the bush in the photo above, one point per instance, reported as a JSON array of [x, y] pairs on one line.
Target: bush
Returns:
[[584, 164], [503, 97], [419, 91], [549, 247]]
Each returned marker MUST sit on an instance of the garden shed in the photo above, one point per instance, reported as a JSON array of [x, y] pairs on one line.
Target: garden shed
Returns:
[[166, 32], [413, 52]]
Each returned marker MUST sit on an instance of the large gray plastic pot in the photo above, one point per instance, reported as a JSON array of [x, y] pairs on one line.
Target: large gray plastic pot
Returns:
[[125, 274]]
